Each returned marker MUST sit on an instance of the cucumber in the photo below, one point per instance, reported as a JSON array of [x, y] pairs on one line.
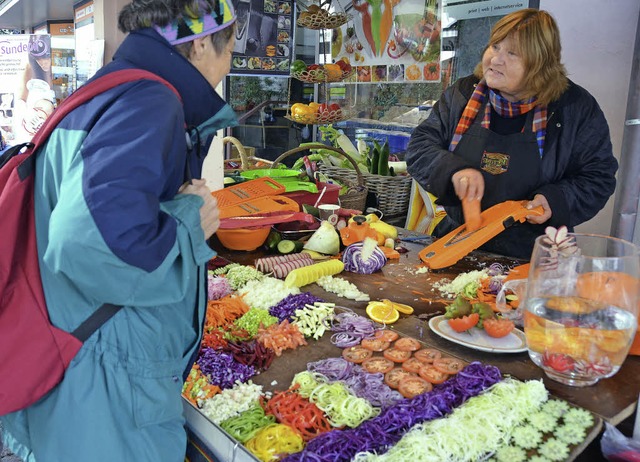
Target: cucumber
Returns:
[[273, 239], [286, 246], [383, 160]]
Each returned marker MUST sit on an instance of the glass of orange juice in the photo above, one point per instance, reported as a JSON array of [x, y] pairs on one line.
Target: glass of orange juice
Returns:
[[581, 305]]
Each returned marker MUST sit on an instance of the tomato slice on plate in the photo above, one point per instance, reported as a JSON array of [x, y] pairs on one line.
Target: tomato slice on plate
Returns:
[[498, 327], [464, 323], [410, 387], [375, 344], [427, 355], [393, 377], [377, 364], [356, 354], [432, 375], [412, 365], [407, 344], [387, 335], [449, 365], [395, 355]]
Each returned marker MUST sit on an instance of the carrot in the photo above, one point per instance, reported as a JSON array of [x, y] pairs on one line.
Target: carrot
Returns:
[[471, 211], [224, 311]]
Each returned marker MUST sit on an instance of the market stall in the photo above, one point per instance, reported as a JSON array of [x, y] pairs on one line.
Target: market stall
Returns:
[[406, 281]]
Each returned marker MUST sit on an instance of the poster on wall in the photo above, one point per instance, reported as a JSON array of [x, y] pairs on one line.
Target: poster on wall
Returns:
[[26, 90], [390, 41], [264, 37]]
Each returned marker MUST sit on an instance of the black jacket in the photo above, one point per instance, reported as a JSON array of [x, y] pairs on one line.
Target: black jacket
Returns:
[[577, 170]]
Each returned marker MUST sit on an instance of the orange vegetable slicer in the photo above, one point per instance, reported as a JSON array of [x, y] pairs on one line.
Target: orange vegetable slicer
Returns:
[[449, 249]]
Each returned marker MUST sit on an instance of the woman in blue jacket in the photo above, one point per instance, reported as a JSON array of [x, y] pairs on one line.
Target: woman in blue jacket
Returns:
[[517, 129], [118, 222]]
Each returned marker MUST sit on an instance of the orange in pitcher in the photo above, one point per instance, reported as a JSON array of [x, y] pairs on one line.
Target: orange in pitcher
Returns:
[[613, 288]]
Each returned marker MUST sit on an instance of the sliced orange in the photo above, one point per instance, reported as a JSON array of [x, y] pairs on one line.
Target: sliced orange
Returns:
[[382, 312]]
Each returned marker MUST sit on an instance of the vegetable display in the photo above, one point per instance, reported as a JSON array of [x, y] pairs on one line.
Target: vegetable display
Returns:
[[385, 397]]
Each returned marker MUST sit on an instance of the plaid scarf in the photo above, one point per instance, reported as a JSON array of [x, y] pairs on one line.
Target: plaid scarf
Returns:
[[504, 108]]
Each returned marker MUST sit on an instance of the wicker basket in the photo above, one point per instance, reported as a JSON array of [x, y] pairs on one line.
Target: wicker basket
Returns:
[[392, 192], [246, 160], [356, 197]]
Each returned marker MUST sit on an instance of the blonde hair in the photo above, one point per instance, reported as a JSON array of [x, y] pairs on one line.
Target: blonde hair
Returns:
[[537, 40]]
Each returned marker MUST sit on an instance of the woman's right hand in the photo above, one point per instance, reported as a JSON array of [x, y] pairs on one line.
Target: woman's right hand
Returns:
[[209, 212], [468, 183]]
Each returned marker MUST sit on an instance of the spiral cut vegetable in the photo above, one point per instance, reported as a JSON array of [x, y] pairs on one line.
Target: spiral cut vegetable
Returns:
[[299, 413], [244, 426], [274, 440], [309, 274], [334, 399]]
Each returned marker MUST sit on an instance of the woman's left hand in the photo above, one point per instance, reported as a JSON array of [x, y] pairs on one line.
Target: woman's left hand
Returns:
[[538, 200]]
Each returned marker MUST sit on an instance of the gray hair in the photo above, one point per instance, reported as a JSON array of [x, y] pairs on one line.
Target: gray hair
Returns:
[[140, 14]]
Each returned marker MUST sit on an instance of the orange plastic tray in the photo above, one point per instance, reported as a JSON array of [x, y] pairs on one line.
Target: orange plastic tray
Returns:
[[449, 249], [247, 191], [260, 205]]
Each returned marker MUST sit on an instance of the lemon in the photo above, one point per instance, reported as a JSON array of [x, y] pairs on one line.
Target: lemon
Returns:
[[401, 307], [382, 312]]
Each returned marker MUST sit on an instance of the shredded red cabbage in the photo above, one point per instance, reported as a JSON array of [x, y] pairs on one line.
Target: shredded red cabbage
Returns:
[[286, 307], [385, 430], [222, 369]]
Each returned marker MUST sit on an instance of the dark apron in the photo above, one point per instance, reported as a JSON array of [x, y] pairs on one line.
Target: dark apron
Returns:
[[510, 165]]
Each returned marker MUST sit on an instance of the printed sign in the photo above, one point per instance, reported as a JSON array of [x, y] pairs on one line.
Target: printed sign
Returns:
[[390, 41], [264, 37], [26, 94]]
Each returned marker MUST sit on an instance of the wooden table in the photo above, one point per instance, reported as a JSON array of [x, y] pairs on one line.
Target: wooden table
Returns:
[[613, 399]]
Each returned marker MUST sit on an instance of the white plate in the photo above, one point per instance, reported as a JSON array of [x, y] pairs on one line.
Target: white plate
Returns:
[[478, 339]]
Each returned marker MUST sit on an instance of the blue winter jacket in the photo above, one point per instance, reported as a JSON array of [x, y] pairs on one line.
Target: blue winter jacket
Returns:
[[111, 228]]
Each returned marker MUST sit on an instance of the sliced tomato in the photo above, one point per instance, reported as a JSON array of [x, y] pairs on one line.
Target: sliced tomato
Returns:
[[393, 377], [395, 355], [387, 335], [356, 354], [449, 365], [410, 387], [427, 355], [432, 375], [377, 364], [375, 344], [412, 365], [498, 327], [407, 344], [464, 323]]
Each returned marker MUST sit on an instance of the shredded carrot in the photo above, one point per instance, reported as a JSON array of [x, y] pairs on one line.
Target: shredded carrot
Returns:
[[224, 311]]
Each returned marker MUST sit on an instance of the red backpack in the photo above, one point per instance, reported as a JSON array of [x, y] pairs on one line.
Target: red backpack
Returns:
[[34, 354]]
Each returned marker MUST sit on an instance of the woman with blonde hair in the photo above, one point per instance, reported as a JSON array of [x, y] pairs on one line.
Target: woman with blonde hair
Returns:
[[517, 129]]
